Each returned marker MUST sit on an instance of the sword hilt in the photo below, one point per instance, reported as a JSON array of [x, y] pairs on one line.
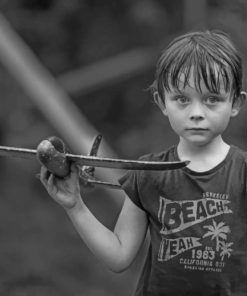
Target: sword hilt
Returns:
[[52, 154]]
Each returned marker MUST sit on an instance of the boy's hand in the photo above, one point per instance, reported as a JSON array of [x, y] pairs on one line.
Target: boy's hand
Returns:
[[64, 191]]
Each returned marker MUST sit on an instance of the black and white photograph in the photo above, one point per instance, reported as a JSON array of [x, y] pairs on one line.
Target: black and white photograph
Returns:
[[123, 148]]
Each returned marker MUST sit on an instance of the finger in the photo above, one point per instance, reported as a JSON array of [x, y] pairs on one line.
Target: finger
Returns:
[[50, 181], [51, 185], [43, 175], [74, 171]]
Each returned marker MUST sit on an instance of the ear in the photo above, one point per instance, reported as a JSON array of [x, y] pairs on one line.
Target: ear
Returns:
[[238, 104], [159, 102]]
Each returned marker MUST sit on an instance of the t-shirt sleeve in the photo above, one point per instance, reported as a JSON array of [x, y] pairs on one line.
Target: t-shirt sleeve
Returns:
[[129, 183]]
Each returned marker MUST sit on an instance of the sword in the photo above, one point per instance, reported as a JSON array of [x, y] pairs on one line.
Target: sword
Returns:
[[57, 159]]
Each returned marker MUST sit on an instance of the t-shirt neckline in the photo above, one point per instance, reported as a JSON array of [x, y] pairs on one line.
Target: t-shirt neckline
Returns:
[[208, 172]]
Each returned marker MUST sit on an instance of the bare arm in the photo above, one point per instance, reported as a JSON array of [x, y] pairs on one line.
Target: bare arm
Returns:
[[116, 249]]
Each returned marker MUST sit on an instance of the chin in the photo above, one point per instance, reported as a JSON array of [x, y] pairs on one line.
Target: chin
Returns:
[[198, 141]]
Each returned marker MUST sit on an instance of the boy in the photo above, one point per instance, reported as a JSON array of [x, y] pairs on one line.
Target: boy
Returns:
[[196, 215]]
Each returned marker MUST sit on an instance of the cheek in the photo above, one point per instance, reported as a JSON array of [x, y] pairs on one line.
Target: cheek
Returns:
[[176, 121], [220, 121], [176, 117]]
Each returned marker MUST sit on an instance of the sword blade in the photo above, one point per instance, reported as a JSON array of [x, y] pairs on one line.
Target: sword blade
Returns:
[[126, 164], [18, 152], [98, 161]]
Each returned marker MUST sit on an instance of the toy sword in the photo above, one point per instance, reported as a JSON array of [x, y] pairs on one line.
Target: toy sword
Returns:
[[52, 154]]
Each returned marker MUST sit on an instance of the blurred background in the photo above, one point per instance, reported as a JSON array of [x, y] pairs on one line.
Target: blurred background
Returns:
[[74, 69]]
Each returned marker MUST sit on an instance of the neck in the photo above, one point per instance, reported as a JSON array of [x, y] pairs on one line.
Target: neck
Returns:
[[205, 156], [192, 149]]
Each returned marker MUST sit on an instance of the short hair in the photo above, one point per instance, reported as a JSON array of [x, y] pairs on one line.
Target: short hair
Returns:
[[212, 56]]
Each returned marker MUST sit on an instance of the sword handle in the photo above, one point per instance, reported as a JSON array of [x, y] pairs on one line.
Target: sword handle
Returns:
[[52, 154]]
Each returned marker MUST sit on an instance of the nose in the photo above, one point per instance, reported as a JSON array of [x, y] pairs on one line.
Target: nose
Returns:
[[197, 112]]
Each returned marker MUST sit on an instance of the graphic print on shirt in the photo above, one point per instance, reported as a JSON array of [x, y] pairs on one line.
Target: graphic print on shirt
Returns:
[[208, 252]]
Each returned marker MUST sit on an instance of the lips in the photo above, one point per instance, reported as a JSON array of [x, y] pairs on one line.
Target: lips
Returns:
[[196, 129]]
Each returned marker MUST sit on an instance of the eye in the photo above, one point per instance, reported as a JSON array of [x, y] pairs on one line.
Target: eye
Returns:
[[182, 100], [212, 100]]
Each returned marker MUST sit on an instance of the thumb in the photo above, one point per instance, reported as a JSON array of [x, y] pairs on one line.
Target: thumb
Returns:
[[74, 171]]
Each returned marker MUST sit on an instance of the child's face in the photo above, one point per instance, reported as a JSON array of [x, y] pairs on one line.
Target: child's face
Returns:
[[198, 117]]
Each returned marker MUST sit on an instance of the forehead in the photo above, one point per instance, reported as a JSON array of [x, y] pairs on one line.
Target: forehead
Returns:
[[213, 81]]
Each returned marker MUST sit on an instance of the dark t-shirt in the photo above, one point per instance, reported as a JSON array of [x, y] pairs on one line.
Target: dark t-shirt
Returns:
[[198, 227]]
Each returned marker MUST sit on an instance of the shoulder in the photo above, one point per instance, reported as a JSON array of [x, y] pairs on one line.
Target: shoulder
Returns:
[[166, 155], [151, 177], [139, 176], [239, 154], [238, 160]]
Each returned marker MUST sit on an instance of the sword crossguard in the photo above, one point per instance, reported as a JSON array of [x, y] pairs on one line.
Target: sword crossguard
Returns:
[[90, 170]]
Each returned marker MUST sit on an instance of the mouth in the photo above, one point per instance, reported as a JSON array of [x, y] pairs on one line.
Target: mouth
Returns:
[[196, 129]]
